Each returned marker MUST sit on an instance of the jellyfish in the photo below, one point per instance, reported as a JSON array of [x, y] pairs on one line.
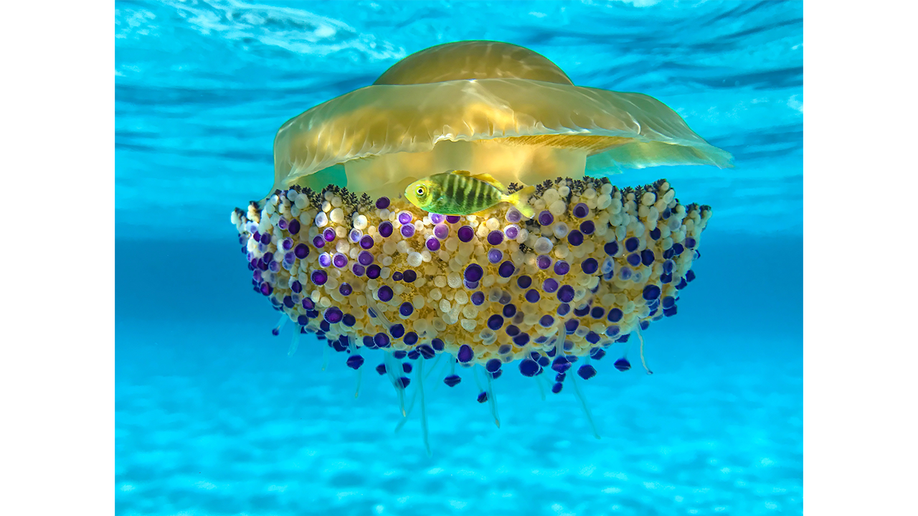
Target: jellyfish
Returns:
[[342, 255]]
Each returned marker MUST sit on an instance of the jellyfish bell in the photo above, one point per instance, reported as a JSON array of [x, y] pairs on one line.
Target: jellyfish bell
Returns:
[[339, 252], [483, 106]]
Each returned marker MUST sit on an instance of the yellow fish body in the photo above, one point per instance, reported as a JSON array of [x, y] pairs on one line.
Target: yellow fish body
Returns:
[[460, 193]]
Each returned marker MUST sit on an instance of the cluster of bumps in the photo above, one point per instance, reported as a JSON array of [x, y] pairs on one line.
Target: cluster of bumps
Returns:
[[594, 264]]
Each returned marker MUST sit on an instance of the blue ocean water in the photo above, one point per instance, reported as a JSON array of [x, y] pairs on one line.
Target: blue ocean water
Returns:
[[213, 417]]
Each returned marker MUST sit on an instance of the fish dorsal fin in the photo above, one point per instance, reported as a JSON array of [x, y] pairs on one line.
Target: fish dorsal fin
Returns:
[[491, 181], [465, 173]]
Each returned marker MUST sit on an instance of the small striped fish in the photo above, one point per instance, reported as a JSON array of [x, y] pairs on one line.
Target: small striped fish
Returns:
[[460, 193]]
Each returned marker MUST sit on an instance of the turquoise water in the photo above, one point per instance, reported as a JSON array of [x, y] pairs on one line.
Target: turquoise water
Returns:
[[213, 417]]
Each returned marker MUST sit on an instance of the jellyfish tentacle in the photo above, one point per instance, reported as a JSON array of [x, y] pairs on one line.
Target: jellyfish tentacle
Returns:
[[433, 367], [391, 367], [492, 401], [641, 338], [540, 381], [408, 411], [379, 315], [420, 391], [280, 324], [583, 403], [295, 341], [354, 352]]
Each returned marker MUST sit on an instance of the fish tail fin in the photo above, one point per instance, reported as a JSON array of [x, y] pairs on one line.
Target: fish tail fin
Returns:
[[520, 200]]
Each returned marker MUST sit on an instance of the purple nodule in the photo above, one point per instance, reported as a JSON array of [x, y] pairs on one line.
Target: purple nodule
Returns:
[[339, 260], [473, 273], [506, 269], [575, 238], [319, 277], [452, 219], [333, 315], [566, 294], [406, 309], [266, 238], [495, 237], [512, 232], [587, 227], [632, 244], [441, 231], [289, 258], [562, 267], [546, 218], [345, 289], [382, 203], [495, 255], [373, 271], [471, 285], [550, 285], [532, 295], [329, 235], [543, 261], [493, 365], [308, 304], [385, 229], [409, 276], [407, 231], [296, 286], [325, 260], [495, 322], [266, 289], [466, 233], [318, 241], [282, 223], [478, 298], [293, 227], [529, 367], [433, 244], [589, 266], [365, 258], [396, 276], [287, 244], [634, 259], [514, 215], [355, 235], [366, 242], [465, 353], [581, 210], [436, 218], [384, 293], [358, 269], [521, 340], [524, 281], [405, 217]]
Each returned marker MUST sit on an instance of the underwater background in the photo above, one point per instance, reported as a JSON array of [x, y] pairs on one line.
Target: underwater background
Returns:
[[213, 416]]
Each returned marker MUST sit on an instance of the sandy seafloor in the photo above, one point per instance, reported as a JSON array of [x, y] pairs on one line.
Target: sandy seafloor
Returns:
[[213, 417]]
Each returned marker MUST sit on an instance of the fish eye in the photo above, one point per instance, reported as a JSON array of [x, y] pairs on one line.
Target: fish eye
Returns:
[[421, 190]]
